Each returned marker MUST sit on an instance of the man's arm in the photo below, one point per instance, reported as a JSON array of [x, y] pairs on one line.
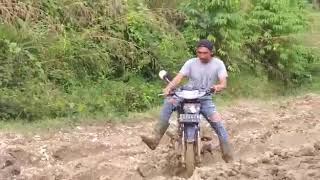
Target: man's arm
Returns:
[[221, 85], [222, 77], [174, 83]]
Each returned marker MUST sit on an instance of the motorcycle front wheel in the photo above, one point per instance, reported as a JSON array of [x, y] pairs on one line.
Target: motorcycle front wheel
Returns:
[[190, 158]]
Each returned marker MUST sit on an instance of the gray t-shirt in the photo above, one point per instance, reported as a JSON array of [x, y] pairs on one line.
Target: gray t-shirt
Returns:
[[202, 76]]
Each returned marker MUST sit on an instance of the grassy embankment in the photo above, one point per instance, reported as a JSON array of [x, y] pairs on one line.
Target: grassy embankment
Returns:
[[243, 85]]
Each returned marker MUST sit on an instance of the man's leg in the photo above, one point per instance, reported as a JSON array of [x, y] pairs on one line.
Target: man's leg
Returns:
[[162, 124], [214, 118]]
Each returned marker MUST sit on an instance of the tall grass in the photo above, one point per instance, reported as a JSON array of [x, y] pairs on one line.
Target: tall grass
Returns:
[[97, 58]]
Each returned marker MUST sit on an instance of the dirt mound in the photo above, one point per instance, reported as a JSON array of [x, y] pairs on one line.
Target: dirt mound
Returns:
[[272, 140], [8, 166]]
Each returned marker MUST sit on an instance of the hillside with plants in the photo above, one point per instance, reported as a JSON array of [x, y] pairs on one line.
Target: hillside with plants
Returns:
[[66, 58]]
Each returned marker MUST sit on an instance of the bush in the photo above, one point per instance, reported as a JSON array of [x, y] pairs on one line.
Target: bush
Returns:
[[263, 34], [269, 31], [218, 21], [37, 100], [64, 58]]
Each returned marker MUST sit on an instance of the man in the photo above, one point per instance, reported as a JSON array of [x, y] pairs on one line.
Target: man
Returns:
[[202, 72]]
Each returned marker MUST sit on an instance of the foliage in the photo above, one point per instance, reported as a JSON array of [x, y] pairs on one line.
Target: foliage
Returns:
[[269, 30], [263, 34], [218, 21], [63, 58], [58, 66]]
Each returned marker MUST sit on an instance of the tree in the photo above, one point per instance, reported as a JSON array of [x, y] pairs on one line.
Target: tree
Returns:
[[216, 20]]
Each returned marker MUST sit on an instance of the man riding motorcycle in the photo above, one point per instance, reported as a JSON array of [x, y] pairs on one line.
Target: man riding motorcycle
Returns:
[[202, 72]]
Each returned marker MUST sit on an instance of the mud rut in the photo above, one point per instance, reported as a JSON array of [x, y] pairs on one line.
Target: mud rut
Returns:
[[279, 140]]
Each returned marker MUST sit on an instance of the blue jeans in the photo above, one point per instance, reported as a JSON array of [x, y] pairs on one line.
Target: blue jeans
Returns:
[[207, 109]]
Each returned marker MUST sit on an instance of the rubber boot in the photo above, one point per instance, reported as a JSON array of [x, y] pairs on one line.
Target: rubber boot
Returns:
[[159, 130], [227, 151]]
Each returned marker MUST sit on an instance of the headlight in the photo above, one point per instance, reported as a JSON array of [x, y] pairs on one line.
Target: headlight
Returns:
[[191, 108]]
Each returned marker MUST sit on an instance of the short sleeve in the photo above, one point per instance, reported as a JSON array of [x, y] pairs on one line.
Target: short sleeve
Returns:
[[222, 71], [185, 70]]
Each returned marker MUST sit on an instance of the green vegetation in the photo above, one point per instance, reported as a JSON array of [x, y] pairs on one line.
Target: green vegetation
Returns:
[[91, 58]]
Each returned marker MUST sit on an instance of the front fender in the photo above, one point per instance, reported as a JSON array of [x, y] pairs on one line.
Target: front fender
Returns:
[[190, 131]]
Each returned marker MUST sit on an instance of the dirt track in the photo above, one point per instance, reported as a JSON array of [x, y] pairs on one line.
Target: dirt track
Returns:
[[279, 140]]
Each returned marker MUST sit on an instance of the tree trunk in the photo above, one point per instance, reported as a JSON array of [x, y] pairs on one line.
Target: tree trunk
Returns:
[[316, 4]]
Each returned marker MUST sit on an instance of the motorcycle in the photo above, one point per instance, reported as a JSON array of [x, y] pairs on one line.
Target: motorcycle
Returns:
[[188, 142]]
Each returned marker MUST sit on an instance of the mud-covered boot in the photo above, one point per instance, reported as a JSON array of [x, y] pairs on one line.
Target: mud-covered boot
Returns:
[[227, 151], [153, 141]]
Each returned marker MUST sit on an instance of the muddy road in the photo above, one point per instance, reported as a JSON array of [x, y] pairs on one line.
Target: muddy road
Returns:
[[273, 140]]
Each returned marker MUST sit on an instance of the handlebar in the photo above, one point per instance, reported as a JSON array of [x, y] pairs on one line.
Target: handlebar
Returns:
[[168, 78], [208, 92]]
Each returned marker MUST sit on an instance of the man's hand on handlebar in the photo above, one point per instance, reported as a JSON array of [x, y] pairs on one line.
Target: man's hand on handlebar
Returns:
[[166, 91], [172, 84], [221, 85], [215, 88]]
